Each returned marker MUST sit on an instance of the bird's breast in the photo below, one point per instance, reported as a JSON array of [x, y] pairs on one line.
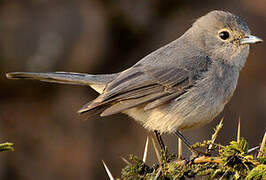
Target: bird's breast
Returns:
[[200, 105], [208, 97], [197, 107]]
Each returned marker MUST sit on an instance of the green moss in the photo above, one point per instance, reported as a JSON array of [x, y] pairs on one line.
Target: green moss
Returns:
[[4, 147], [258, 172], [232, 162], [138, 169]]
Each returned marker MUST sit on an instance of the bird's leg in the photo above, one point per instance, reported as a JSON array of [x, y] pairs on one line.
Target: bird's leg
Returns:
[[160, 140], [195, 153]]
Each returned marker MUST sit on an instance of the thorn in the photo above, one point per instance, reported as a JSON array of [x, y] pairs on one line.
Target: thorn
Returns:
[[238, 131], [221, 122], [158, 173], [179, 148], [126, 161], [224, 174], [108, 171], [145, 150], [253, 149], [156, 151], [216, 131], [262, 145]]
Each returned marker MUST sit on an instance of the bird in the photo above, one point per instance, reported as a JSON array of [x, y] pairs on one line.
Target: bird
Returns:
[[182, 85]]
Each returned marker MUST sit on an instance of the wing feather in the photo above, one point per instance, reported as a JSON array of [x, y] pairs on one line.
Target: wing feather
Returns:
[[150, 86]]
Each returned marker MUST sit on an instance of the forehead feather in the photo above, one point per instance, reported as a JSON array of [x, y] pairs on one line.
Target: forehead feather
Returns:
[[216, 20]]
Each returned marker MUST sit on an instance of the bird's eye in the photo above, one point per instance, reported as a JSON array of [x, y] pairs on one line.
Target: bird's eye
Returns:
[[224, 35]]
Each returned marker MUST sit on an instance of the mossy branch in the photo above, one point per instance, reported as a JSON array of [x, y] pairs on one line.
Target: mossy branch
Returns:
[[234, 161]]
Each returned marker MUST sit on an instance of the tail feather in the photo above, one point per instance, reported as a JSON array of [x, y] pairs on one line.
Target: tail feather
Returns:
[[97, 82]]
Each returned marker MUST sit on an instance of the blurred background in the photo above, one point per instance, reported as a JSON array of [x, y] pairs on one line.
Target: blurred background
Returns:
[[102, 36]]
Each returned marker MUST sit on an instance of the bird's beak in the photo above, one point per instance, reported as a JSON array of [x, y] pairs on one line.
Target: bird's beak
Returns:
[[250, 40]]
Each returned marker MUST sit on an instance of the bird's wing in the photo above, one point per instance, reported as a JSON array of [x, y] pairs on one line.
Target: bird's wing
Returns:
[[148, 85]]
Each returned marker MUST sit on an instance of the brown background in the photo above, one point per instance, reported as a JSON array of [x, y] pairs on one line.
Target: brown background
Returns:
[[51, 140]]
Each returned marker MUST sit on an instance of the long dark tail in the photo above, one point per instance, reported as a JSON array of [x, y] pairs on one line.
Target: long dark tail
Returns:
[[97, 82]]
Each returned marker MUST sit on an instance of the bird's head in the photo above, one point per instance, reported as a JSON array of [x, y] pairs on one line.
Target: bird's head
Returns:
[[225, 36]]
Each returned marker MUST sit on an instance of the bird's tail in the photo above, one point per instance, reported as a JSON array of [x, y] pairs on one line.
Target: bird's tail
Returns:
[[97, 82]]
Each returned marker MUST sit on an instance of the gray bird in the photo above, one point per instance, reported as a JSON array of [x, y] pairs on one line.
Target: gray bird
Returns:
[[184, 84]]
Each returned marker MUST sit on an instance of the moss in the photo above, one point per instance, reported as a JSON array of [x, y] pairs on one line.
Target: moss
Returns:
[[232, 162], [4, 147], [138, 169], [258, 172]]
